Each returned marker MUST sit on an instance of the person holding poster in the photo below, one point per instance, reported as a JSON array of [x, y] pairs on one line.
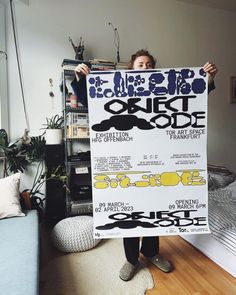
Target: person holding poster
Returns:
[[141, 60]]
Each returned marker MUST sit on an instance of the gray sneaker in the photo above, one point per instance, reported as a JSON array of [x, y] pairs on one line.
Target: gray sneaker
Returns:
[[161, 262], [128, 270]]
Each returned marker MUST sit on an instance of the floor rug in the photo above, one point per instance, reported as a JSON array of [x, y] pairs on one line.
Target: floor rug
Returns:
[[93, 272]]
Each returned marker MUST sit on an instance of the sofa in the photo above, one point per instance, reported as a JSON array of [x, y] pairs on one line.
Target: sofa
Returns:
[[19, 254], [19, 246]]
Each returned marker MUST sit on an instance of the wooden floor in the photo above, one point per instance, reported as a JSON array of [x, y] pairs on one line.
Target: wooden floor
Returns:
[[194, 273]]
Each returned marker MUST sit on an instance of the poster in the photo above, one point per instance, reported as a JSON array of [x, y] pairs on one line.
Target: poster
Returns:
[[148, 136]]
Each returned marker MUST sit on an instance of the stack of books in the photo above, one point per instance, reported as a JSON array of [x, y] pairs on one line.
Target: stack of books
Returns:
[[95, 64], [77, 125], [70, 64], [102, 65], [122, 65]]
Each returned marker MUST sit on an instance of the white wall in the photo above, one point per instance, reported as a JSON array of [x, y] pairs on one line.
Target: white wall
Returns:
[[178, 34]]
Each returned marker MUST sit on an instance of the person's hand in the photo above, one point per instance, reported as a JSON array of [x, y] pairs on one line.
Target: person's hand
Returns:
[[81, 69], [211, 70]]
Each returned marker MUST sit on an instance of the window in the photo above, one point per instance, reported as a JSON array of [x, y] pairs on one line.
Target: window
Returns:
[[3, 72]]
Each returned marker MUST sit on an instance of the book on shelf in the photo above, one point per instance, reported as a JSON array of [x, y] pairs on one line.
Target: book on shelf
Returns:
[[101, 61], [122, 65], [71, 64], [78, 202], [69, 67], [84, 207], [77, 119], [95, 64], [102, 65], [102, 68]]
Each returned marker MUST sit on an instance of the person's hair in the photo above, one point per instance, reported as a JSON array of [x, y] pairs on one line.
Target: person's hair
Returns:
[[141, 52]]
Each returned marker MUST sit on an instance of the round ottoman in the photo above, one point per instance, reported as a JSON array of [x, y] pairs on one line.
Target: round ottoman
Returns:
[[74, 234]]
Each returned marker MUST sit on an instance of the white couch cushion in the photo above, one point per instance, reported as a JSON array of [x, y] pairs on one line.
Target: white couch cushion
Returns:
[[10, 196]]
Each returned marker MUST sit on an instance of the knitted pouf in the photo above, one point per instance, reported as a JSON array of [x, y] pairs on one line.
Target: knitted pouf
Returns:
[[74, 234]]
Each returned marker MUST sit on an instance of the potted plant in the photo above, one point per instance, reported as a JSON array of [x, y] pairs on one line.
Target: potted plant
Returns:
[[54, 129], [14, 158], [17, 156], [33, 198]]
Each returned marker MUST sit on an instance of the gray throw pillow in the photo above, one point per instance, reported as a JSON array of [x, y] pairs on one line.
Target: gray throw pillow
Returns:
[[219, 177]]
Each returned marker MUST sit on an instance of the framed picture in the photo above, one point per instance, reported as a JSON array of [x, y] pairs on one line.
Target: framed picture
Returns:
[[233, 89]]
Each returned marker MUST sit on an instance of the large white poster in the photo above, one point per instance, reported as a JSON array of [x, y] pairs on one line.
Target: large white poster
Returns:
[[148, 135]]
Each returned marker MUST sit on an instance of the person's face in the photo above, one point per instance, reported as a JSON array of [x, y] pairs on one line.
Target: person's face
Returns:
[[142, 63]]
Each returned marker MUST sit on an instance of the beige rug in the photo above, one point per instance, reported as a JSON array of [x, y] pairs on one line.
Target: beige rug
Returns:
[[94, 272]]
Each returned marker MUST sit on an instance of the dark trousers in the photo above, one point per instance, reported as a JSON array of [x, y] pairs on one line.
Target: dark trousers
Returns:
[[149, 248]]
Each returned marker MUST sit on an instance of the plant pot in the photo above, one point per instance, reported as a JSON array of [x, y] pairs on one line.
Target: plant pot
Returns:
[[26, 201], [53, 136]]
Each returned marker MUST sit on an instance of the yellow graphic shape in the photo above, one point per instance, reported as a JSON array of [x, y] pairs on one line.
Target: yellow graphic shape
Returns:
[[121, 179], [124, 180], [192, 178], [113, 183], [154, 180], [103, 181], [170, 179], [143, 183]]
